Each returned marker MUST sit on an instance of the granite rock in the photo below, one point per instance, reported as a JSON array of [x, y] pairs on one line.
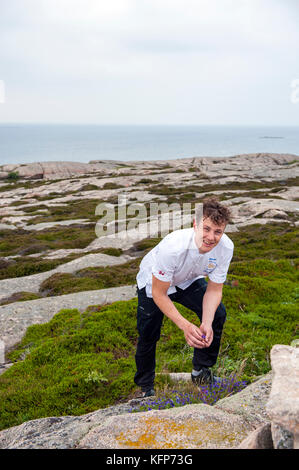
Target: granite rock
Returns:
[[283, 404], [260, 438]]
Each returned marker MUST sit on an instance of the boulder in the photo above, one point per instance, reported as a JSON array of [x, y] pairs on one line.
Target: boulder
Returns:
[[282, 407], [275, 214], [260, 438], [187, 427], [283, 404], [281, 437]]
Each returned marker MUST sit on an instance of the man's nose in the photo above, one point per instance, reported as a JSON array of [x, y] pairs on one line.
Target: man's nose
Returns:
[[211, 236]]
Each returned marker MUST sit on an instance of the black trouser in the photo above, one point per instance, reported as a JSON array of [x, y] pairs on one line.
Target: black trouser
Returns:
[[149, 322]]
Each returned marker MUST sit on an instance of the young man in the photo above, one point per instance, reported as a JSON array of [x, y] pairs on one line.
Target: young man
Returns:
[[175, 270]]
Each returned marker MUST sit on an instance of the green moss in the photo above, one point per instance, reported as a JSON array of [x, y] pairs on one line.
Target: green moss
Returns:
[[79, 362], [145, 181], [110, 185], [13, 242], [82, 209], [26, 184], [20, 297], [112, 251], [89, 187], [91, 279], [74, 364], [24, 266], [265, 269], [272, 241], [162, 189], [146, 244]]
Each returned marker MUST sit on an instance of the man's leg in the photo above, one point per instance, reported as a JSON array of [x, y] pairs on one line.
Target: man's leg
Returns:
[[192, 298], [149, 322]]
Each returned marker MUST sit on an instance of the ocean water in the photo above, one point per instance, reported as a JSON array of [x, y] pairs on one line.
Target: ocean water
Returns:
[[26, 143]]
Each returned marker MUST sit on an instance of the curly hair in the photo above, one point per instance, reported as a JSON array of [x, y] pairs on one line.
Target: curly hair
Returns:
[[217, 212]]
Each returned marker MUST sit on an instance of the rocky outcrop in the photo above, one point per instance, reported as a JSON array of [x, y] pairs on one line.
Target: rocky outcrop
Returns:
[[261, 164], [282, 406], [102, 181], [48, 170], [16, 317], [188, 427], [268, 208], [260, 438], [32, 282]]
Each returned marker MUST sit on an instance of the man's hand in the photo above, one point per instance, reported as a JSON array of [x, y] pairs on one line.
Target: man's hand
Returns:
[[194, 336], [206, 332]]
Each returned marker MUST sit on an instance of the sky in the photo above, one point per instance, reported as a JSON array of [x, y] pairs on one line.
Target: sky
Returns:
[[182, 62]]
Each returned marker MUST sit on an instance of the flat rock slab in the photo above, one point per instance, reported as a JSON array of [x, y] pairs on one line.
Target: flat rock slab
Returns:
[[7, 227], [32, 283], [17, 317], [250, 403], [188, 427], [57, 432]]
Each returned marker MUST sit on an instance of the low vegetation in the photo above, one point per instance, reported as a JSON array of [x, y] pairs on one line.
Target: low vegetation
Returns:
[[14, 242], [91, 279], [81, 361], [273, 242], [205, 187]]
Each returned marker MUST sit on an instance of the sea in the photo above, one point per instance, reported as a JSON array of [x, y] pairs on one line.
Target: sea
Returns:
[[27, 143]]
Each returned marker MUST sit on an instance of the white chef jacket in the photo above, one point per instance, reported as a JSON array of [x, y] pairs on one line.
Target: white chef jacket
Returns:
[[176, 259]]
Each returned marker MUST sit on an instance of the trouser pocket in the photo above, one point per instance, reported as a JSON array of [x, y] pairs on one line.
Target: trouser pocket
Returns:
[[149, 323]]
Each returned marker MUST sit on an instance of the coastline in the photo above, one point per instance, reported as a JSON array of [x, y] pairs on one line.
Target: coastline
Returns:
[[61, 169]]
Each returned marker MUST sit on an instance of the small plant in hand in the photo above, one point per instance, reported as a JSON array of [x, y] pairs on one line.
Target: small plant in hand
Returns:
[[208, 395]]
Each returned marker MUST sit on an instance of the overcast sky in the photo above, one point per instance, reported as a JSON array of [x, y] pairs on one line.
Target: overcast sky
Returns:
[[149, 61]]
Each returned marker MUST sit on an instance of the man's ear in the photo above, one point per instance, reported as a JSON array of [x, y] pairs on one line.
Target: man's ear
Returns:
[[194, 223]]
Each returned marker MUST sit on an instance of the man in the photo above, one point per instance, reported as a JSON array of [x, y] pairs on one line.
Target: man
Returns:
[[175, 270]]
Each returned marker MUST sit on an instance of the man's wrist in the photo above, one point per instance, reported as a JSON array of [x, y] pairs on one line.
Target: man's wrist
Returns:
[[183, 323], [207, 323]]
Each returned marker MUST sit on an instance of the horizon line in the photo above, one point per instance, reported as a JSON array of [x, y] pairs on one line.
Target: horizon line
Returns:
[[9, 123]]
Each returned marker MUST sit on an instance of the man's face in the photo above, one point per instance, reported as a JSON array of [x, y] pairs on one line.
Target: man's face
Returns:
[[207, 234]]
